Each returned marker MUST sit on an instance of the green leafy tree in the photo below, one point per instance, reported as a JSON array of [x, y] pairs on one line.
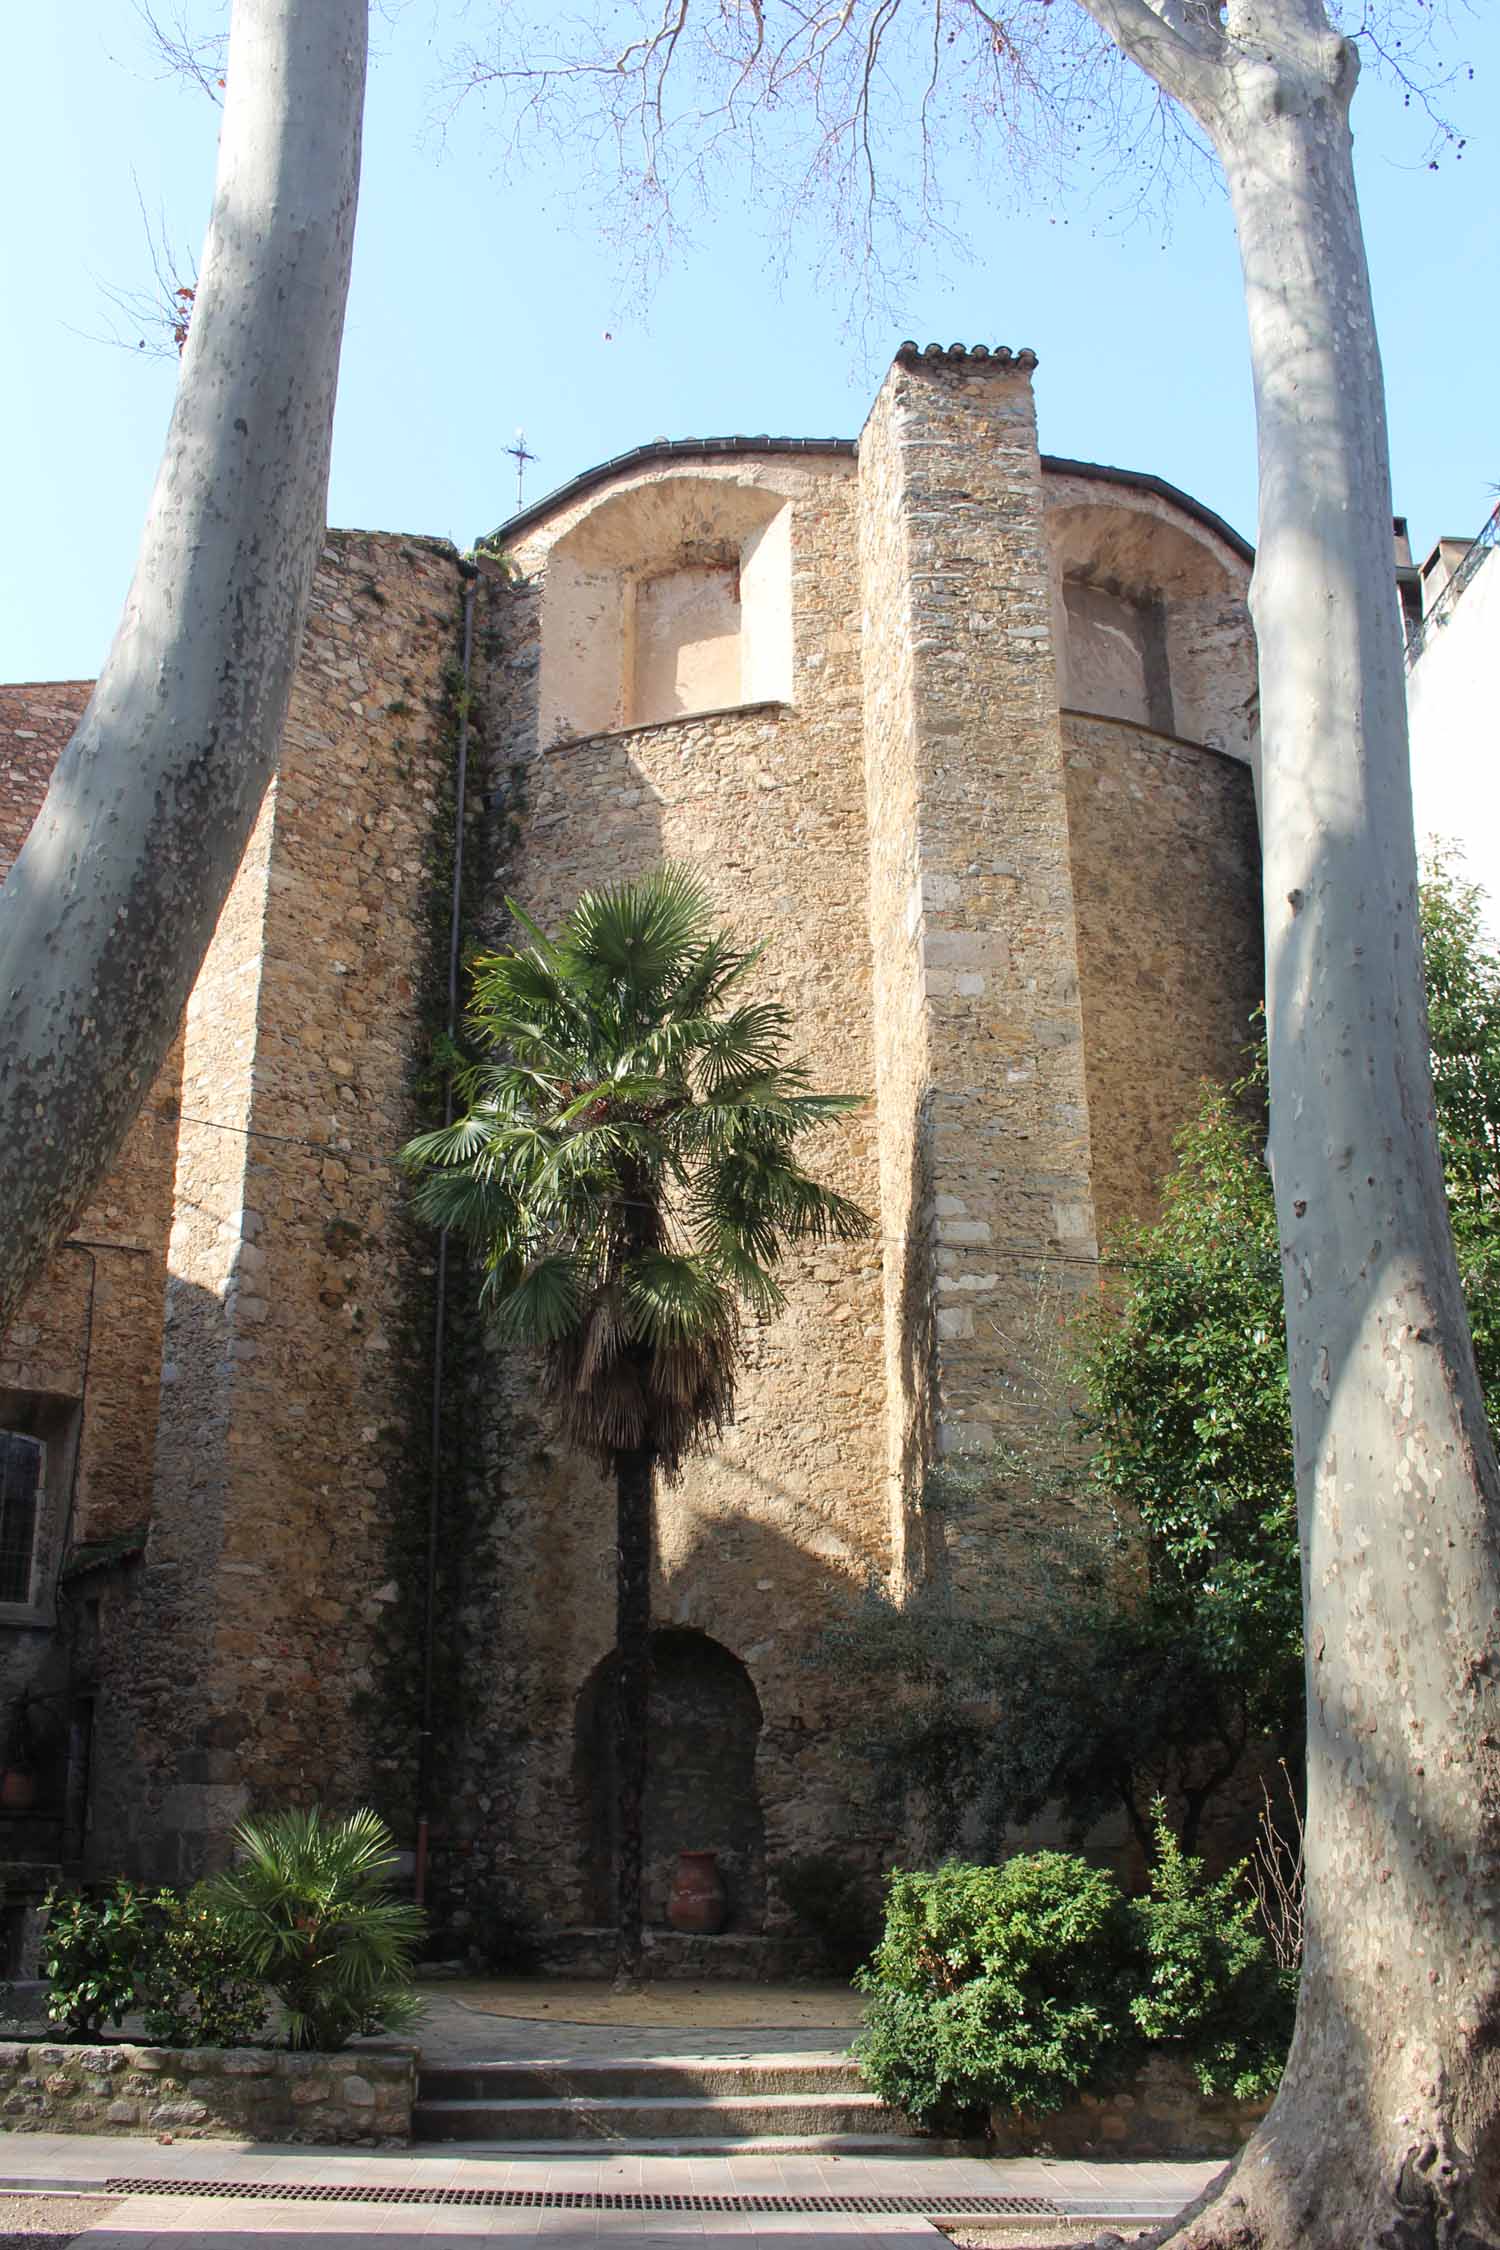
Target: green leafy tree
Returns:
[[1462, 972], [1185, 1367], [1185, 1379], [1094, 1700], [626, 1168], [310, 1902], [1173, 1639]]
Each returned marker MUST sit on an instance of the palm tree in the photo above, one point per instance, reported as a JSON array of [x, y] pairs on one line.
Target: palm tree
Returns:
[[626, 1168], [310, 1901]]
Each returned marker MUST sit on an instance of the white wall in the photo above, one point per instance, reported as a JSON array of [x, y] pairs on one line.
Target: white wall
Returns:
[[1453, 698]]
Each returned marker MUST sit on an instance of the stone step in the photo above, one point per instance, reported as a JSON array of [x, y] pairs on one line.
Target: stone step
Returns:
[[744, 2144], [825, 2118], [619, 2078]]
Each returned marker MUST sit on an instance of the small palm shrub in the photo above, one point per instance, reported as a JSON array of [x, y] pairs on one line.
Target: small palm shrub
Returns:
[[310, 1900], [1210, 1987], [997, 1985]]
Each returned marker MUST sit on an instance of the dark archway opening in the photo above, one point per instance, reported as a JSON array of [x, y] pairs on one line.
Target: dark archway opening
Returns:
[[704, 1723]]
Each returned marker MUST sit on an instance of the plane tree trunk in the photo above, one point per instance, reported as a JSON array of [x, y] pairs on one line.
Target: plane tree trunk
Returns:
[[1386, 2128], [108, 911]]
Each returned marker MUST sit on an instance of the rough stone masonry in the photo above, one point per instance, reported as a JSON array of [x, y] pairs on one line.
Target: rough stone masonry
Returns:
[[966, 733]]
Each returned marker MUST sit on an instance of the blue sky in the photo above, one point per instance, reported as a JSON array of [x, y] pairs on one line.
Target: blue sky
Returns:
[[480, 304]]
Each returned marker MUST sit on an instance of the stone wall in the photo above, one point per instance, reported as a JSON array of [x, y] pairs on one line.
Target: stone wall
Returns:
[[979, 1030], [361, 2097], [784, 1519], [292, 1449], [80, 1364], [1166, 872], [1160, 2113], [36, 721], [1024, 934]]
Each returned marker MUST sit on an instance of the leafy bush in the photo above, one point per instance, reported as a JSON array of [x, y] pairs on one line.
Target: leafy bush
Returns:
[[174, 1959], [100, 1955], [1005, 1985], [833, 1902], [203, 1988], [1211, 1988], [311, 1902], [1017, 1985]]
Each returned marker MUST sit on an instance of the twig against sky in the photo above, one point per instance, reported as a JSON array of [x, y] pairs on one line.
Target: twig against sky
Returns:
[[849, 116]]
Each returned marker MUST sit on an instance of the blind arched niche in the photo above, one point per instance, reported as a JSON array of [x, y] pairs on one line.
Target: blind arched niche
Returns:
[[670, 598]]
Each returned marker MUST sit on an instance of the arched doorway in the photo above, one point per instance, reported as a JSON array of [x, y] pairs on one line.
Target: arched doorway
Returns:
[[704, 1722]]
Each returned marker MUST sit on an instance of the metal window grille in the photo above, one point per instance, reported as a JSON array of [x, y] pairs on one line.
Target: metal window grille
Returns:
[[20, 1488]]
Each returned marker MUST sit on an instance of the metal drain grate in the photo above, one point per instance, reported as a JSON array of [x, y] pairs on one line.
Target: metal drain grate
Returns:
[[604, 2199]]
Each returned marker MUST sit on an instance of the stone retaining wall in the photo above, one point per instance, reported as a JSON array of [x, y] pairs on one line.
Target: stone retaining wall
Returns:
[[204, 2093], [1161, 2113]]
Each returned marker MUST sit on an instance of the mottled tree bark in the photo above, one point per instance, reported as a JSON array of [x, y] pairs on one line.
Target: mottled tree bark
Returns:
[[107, 913], [632, 1700], [1386, 2129]]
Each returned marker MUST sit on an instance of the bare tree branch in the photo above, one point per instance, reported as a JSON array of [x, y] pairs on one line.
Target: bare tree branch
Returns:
[[156, 317], [895, 91], [194, 55]]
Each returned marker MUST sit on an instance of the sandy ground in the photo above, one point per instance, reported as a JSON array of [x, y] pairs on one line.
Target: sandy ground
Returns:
[[680, 2006], [46, 2222], [1038, 2234]]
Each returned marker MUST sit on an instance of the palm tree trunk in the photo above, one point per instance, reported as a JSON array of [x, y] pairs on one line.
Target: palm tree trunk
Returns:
[[632, 1690]]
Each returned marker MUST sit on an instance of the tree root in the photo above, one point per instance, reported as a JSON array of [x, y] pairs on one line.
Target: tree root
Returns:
[[1431, 2201]]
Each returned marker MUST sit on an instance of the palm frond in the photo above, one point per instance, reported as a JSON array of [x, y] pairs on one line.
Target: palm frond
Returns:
[[643, 932], [677, 1300], [542, 1304], [720, 965], [626, 1163], [310, 1903]]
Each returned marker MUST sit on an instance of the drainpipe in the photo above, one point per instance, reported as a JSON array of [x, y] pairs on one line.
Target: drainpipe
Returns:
[[440, 1285]]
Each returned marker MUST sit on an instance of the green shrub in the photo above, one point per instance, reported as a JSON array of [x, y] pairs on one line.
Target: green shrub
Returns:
[[174, 1959], [204, 1989], [1007, 1985], [310, 1900], [1208, 1986], [100, 1955], [833, 1901]]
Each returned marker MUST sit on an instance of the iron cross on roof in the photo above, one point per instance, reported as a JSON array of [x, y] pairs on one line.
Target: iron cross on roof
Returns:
[[520, 453]]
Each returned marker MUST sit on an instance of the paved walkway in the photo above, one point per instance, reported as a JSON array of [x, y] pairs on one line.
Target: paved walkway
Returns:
[[435, 2194], [446, 2195]]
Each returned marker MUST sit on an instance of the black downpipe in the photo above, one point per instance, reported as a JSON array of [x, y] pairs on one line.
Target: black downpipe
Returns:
[[440, 1285]]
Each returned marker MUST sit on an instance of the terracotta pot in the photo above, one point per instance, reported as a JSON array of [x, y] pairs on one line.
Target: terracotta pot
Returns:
[[17, 1790], [698, 1902]]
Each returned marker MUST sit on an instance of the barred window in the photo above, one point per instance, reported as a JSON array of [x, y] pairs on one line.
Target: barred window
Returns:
[[21, 1461]]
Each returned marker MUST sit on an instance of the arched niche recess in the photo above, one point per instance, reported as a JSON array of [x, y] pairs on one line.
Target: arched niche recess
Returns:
[[666, 599], [1151, 620], [702, 1731]]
